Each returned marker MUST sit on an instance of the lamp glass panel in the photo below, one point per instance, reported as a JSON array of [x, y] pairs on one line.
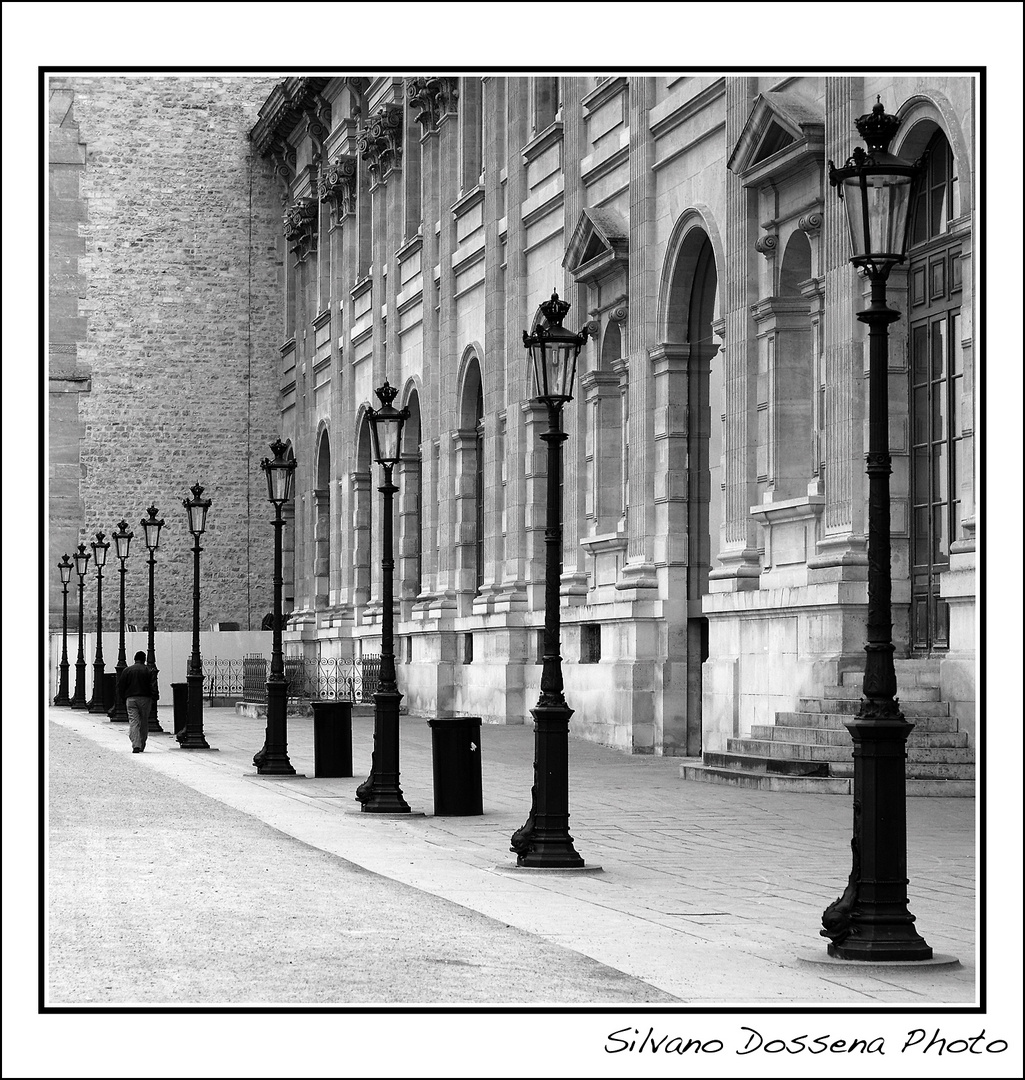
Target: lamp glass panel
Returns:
[[152, 531], [81, 563], [100, 554], [122, 541], [65, 569], [386, 438]]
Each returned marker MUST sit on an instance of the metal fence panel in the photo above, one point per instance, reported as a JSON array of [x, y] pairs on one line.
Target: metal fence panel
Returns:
[[323, 678]]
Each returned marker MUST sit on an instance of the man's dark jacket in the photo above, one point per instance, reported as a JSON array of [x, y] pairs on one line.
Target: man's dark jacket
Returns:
[[136, 681]]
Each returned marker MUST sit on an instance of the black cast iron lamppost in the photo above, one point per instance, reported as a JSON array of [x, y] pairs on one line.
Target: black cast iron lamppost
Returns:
[[81, 566], [543, 841], [122, 538], [151, 527], [100, 548], [197, 508], [272, 760], [380, 792], [65, 567], [871, 920]]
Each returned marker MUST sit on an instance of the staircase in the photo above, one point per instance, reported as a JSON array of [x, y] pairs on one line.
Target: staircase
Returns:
[[811, 750]]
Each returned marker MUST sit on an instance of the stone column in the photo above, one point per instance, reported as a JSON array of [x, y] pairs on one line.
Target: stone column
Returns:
[[738, 555], [842, 552], [639, 572]]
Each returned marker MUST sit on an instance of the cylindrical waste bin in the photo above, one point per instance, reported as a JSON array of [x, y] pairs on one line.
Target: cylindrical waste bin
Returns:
[[180, 704], [109, 691], [332, 738], [455, 742]]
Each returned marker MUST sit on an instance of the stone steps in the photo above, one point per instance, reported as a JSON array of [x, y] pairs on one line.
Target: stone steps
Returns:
[[850, 706], [836, 720], [838, 735], [811, 749], [831, 785]]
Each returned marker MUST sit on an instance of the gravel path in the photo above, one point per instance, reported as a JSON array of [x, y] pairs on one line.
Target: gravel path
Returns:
[[160, 895]]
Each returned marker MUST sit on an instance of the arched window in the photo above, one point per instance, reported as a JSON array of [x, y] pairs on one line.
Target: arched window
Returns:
[[937, 381], [322, 525], [362, 517], [469, 449], [410, 482]]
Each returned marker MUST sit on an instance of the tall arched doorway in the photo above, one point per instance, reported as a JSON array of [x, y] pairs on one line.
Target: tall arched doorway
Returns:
[[937, 379], [322, 525], [691, 352]]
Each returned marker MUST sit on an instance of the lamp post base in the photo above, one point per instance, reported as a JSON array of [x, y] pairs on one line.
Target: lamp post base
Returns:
[[380, 792], [272, 759], [870, 921], [194, 738], [543, 841]]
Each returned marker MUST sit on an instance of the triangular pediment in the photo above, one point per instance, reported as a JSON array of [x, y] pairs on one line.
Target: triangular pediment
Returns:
[[598, 247], [780, 129]]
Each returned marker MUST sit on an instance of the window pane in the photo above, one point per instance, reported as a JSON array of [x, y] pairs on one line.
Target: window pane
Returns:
[[922, 462], [940, 476], [939, 349], [921, 552], [920, 358], [939, 555], [956, 351]]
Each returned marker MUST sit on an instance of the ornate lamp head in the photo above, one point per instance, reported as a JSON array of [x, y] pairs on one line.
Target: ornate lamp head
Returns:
[[553, 352]]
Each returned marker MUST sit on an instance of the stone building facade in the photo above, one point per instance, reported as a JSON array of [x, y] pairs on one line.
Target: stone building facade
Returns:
[[714, 489], [164, 302]]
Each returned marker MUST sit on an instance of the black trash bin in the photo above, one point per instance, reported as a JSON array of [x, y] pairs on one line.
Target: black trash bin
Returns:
[[332, 738], [455, 742], [180, 705]]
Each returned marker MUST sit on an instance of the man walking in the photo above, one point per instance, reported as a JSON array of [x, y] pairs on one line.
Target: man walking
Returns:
[[136, 689]]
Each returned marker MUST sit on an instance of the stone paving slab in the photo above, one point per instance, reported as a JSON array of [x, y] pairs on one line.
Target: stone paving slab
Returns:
[[710, 894]]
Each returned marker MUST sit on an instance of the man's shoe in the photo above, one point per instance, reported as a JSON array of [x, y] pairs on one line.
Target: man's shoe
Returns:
[[136, 749]]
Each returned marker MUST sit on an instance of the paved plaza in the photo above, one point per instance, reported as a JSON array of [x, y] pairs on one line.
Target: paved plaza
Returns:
[[708, 896]]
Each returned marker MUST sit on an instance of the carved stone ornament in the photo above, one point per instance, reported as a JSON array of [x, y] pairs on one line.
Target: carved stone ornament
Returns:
[[767, 246], [379, 141], [284, 158], [339, 184], [434, 98], [300, 224], [810, 223], [619, 313]]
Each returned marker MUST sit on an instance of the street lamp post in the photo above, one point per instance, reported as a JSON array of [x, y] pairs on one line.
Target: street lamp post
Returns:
[[193, 739], [65, 567], [100, 548], [272, 760], [870, 921], [122, 538], [543, 841], [380, 792], [81, 566], [151, 527]]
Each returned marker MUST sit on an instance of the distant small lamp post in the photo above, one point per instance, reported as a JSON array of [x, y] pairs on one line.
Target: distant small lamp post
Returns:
[[151, 526], [122, 538], [100, 548], [81, 566], [543, 841], [65, 566], [272, 760], [871, 920], [380, 792], [196, 508]]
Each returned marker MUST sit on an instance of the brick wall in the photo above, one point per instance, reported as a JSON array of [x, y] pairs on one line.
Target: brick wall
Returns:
[[175, 228]]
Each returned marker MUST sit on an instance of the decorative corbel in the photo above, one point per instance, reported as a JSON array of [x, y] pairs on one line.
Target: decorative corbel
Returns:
[[339, 185], [810, 223], [434, 98], [318, 124], [379, 141], [300, 227], [767, 245]]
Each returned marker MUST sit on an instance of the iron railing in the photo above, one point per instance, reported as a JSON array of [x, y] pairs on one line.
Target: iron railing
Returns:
[[353, 679], [224, 677]]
